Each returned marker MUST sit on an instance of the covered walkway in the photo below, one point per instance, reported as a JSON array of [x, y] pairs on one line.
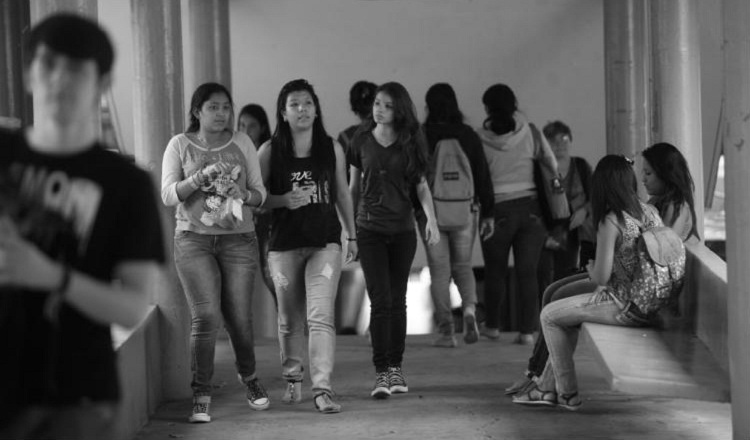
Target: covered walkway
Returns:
[[455, 394]]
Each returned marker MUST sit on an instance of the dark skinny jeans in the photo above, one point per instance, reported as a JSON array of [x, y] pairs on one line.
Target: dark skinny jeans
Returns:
[[386, 263], [518, 223]]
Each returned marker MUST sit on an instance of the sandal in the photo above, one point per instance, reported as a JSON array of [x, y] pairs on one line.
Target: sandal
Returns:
[[325, 404], [519, 386], [571, 402], [536, 397]]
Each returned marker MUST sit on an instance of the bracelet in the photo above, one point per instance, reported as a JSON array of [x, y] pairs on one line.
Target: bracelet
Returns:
[[351, 239], [194, 182], [53, 303]]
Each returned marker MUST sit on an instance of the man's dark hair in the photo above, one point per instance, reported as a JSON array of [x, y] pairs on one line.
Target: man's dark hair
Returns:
[[74, 36]]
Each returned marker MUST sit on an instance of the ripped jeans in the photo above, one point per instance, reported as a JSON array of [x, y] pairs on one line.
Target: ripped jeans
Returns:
[[306, 281]]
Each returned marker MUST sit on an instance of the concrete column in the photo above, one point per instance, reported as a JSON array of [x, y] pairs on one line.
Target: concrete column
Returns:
[[626, 61], [737, 182], [209, 43], [15, 103], [158, 115], [675, 34]]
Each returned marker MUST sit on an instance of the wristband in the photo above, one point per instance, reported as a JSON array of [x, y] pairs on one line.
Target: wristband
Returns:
[[194, 181], [53, 303], [351, 239]]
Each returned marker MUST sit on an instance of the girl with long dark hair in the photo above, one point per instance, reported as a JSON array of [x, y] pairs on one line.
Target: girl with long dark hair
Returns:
[[619, 216], [388, 162], [305, 171], [211, 173]]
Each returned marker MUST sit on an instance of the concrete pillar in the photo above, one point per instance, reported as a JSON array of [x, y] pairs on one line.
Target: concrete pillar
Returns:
[[626, 75], [737, 182], [158, 115], [15, 103], [209, 43], [675, 34]]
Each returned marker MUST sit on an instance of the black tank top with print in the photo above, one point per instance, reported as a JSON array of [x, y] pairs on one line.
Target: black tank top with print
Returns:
[[312, 225]]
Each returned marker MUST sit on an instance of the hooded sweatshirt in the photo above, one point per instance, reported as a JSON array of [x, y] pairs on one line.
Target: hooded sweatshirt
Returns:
[[510, 157]]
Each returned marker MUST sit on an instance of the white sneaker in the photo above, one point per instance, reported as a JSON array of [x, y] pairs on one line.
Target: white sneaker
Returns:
[[201, 406]]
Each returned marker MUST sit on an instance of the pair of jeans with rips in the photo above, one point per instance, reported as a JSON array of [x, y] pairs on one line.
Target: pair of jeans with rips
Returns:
[[306, 282], [561, 322], [451, 258], [570, 286], [217, 273], [518, 224], [386, 262]]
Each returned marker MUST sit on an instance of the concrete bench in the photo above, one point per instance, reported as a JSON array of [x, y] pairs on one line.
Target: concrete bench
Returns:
[[688, 357]]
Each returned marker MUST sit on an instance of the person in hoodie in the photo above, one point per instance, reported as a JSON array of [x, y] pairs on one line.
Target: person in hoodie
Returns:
[[510, 150], [451, 257]]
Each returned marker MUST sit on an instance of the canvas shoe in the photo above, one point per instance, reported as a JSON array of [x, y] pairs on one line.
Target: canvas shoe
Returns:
[[397, 381], [382, 389], [257, 397], [201, 406]]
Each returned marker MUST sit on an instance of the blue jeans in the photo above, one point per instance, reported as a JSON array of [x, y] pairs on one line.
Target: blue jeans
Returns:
[[561, 322], [451, 258], [564, 288], [217, 273], [306, 282], [518, 223], [386, 262]]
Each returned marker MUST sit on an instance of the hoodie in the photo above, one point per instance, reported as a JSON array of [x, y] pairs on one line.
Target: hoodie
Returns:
[[510, 157]]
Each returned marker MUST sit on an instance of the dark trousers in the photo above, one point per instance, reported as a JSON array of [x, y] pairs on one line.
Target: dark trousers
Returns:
[[518, 224], [386, 262]]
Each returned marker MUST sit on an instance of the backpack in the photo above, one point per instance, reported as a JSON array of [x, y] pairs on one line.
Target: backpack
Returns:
[[452, 185], [659, 276]]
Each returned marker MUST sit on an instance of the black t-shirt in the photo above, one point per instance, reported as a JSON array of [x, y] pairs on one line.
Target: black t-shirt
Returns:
[[92, 210], [386, 202], [312, 225]]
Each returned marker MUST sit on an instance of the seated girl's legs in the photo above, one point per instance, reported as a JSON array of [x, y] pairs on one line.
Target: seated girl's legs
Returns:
[[288, 273], [321, 280], [461, 248], [560, 323], [237, 255], [401, 250], [573, 285], [527, 247], [373, 256], [199, 275], [439, 261]]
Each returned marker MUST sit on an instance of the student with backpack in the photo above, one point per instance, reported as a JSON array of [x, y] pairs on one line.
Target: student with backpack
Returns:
[[629, 289], [511, 148], [462, 193], [388, 164]]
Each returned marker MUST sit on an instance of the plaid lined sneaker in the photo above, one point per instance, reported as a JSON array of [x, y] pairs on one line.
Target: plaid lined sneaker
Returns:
[[397, 381], [382, 386], [257, 397], [201, 405]]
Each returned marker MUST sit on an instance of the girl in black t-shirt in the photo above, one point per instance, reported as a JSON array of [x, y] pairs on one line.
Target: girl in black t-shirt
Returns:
[[305, 171], [388, 159]]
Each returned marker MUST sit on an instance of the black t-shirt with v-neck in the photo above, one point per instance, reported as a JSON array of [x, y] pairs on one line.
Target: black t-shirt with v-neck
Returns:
[[91, 210], [386, 201], [313, 225]]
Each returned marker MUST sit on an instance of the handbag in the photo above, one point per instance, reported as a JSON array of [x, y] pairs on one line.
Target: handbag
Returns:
[[550, 190]]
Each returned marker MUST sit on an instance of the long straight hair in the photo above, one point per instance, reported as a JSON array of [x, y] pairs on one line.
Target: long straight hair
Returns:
[[614, 189], [672, 169], [408, 131], [282, 141]]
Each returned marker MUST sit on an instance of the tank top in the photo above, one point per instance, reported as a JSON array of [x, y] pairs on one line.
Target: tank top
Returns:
[[312, 225]]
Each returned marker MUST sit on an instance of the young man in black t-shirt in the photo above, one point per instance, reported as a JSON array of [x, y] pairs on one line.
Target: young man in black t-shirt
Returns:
[[80, 243]]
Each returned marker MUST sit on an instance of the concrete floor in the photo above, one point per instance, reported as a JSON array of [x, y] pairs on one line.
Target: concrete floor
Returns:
[[454, 394]]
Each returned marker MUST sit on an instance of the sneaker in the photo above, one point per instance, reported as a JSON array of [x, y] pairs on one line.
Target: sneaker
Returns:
[[382, 389], [491, 333], [524, 339], [293, 393], [397, 381], [257, 396], [325, 404], [201, 406], [471, 330], [447, 341]]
